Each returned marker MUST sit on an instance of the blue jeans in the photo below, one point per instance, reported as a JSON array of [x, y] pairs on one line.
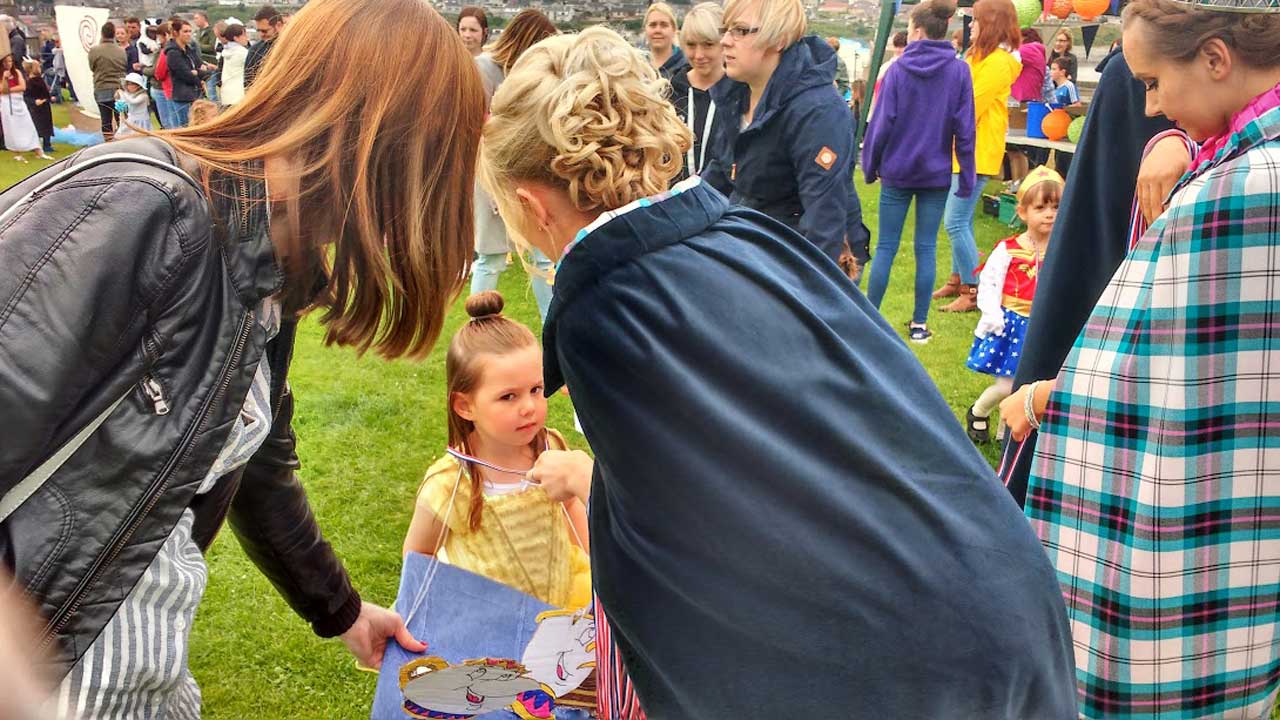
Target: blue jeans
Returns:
[[211, 87], [180, 112], [958, 220], [163, 106], [894, 203], [488, 268]]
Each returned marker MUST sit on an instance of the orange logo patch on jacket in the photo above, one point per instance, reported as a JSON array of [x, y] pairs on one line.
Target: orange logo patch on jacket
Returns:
[[826, 158]]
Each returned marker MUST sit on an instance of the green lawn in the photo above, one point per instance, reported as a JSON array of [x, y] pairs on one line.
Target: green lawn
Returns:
[[368, 429]]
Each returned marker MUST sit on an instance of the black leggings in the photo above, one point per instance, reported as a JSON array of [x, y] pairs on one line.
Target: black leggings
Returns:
[[107, 110]]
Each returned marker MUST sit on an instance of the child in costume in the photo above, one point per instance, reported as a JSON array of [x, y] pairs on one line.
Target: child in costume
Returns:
[[1006, 287], [475, 508], [134, 101]]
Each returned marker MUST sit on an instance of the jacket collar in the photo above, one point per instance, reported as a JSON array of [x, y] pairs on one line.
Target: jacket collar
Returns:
[[1261, 130], [808, 62], [654, 224], [242, 225]]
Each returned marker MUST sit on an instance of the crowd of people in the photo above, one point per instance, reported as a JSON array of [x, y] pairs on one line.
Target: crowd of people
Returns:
[[784, 520], [163, 69]]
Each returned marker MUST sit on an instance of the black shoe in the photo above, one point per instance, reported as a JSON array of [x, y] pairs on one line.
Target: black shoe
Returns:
[[978, 428]]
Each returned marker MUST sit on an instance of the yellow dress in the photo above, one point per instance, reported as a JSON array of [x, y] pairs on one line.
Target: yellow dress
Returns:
[[523, 540]]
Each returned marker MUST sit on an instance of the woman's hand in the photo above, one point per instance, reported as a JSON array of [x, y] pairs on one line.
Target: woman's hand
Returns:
[[367, 638], [39, 103], [1160, 171], [1013, 410], [563, 474]]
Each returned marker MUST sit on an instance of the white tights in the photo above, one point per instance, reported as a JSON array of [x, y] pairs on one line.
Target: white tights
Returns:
[[991, 397]]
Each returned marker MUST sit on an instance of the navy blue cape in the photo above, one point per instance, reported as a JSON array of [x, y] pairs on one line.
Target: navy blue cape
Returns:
[[786, 521]]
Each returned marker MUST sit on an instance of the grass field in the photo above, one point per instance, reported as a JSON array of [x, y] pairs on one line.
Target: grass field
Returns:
[[367, 431]]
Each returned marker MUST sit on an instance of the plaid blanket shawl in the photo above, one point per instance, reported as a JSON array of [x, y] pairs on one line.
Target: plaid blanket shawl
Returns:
[[1156, 483]]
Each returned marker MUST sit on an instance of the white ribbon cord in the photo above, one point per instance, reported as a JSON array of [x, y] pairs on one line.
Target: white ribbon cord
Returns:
[[706, 134]]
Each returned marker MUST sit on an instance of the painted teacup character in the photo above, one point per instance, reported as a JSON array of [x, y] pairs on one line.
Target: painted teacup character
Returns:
[[435, 689]]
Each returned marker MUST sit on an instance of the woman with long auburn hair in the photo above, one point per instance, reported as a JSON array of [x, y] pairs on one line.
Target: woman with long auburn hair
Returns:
[[153, 290]]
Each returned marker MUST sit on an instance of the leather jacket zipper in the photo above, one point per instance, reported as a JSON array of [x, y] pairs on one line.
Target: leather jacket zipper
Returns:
[[155, 393], [64, 613]]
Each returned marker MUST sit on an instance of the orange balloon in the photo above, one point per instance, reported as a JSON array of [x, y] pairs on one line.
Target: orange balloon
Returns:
[[1056, 124], [1061, 9], [1090, 9]]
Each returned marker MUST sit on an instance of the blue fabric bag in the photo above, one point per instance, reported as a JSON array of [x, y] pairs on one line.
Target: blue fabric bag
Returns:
[[461, 616]]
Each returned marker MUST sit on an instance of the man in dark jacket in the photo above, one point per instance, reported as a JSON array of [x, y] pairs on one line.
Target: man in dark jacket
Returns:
[[794, 161], [269, 23], [1090, 238], [183, 58]]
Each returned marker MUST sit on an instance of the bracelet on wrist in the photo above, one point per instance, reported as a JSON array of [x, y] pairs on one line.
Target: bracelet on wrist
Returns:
[[1029, 405]]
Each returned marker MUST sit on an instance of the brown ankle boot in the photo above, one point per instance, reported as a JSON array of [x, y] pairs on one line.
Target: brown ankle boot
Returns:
[[967, 302], [950, 288]]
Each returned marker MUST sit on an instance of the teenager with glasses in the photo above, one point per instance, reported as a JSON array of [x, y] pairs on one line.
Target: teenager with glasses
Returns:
[[789, 150]]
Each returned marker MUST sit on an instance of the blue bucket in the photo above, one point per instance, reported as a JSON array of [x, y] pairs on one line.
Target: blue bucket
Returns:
[[1036, 113]]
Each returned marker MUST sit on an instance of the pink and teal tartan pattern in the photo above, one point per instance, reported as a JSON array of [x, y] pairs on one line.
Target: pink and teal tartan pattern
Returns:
[[1156, 484]]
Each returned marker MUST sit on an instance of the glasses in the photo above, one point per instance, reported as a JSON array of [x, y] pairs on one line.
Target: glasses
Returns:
[[739, 31]]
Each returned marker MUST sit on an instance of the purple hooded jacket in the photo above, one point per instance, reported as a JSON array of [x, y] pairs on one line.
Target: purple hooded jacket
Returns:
[[924, 112]]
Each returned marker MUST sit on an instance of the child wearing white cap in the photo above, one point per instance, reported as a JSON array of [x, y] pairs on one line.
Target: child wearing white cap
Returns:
[[134, 101]]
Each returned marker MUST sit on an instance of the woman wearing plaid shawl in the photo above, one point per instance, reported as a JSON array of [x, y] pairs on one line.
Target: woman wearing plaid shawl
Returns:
[[1156, 483]]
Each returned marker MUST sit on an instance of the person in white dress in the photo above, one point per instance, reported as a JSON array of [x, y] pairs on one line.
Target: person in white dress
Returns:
[[20, 134], [234, 54], [135, 103]]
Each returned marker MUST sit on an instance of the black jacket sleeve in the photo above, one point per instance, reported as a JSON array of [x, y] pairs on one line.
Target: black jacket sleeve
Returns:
[[274, 523]]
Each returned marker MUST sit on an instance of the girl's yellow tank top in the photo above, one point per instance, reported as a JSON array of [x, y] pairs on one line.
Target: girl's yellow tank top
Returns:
[[523, 540]]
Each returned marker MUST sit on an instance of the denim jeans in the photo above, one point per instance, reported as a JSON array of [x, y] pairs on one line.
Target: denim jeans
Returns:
[[958, 220], [164, 106], [488, 268], [180, 112], [894, 203], [211, 87]]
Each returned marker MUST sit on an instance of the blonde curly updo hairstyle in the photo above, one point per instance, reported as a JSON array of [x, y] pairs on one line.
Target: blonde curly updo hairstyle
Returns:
[[585, 113]]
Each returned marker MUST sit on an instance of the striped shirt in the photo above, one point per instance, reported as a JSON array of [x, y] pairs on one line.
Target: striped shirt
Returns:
[[137, 668], [1156, 483]]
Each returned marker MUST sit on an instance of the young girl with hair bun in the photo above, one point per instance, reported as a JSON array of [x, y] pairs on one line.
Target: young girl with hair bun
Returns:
[[761, 545], [475, 503], [1156, 479]]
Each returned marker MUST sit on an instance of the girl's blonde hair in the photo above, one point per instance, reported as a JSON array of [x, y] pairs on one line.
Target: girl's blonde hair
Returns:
[[702, 24], [665, 9], [202, 111], [382, 216], [782, 22], [585, 113], [488, 332]]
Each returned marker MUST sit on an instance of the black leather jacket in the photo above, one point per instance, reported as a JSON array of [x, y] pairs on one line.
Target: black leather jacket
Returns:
[[123, 283]]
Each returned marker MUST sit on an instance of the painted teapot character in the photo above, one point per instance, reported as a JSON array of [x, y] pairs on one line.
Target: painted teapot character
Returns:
[[435, 689]]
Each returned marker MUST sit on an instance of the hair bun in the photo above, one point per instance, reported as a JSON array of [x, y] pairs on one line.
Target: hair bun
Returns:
[[485, 304], [944, 8]]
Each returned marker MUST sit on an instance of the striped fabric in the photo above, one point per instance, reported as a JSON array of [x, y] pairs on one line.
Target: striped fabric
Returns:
[[137, 668], [615, 695], [1156, 484]]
